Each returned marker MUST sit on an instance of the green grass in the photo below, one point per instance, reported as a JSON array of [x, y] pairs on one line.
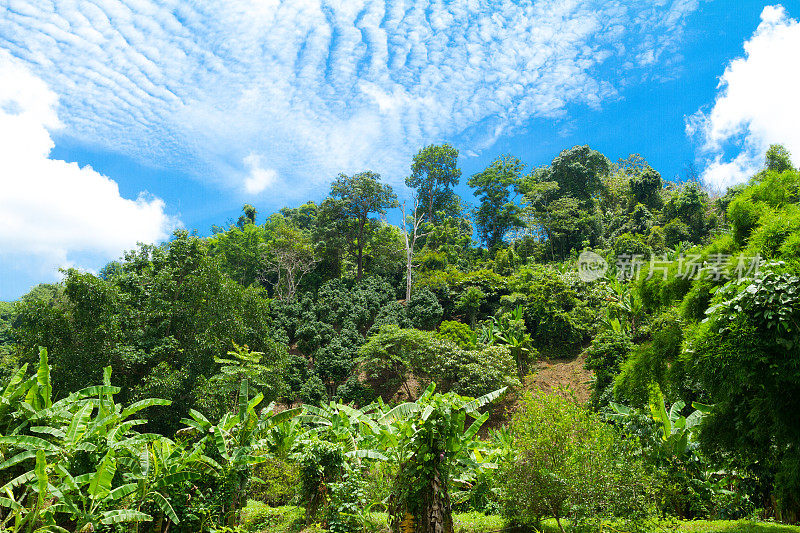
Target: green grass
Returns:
[[734, 526], [258, 517]]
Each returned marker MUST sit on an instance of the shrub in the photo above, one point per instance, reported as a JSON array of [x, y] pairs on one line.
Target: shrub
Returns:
[[313, 391], [457, 333], [424, 310], [571, 465], [650, 362], [278, 481], [605, 356], [676, 232], [631, 245]]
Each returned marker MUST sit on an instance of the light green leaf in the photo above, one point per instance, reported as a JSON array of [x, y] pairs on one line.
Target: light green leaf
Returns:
[[124, 515]]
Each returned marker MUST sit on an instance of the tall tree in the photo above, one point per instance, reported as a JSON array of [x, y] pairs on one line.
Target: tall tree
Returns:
[[248, 216], [356, 198], [497, 187], [434, 171], [578, 172], [289, 256]]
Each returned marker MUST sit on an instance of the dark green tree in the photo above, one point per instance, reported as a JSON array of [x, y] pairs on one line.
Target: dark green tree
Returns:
[[578, 172], [248, 216]]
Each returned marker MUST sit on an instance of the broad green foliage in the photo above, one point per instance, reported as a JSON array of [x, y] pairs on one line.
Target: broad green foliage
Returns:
[[159, 320], [778, 159], [605, 356], [655, 361], [80, 461], [395, 356], [424, 310], [553, 314], [434, 439], [307, 305], [745, 356], [457, 333], [578, 172], [353, 200], [689, 486]]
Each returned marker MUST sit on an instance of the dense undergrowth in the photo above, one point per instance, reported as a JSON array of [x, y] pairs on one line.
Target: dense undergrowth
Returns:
[[322, 364]]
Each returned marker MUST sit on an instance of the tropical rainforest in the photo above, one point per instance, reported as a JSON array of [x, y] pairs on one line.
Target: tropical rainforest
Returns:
[[583, 346]]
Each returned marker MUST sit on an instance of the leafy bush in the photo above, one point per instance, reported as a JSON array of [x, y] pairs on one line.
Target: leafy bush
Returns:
[[571, 465], [458, 333], [605, 357], [631, 245], [277, 481], [650, 362], [424, 310], [744, 357], [313, 391]]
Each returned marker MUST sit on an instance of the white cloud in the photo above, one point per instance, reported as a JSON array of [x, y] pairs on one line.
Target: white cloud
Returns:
[[259, 179], [52, 211], [319, 87], [757, 104]]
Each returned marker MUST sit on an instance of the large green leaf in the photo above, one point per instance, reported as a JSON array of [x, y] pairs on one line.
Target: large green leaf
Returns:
[[78, 423], [367, 454], [29, 442], [243, 395], [41, 476], [177, 477], [401, 411], [219, 440], [477, 403], [142, 404], [165, 507], [95, 391], [475, 427], [43, 379], [122, 491], [22, 456], [100, 484], [123, 515]]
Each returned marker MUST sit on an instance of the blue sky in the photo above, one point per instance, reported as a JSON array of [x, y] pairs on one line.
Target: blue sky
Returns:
[[123, 119]]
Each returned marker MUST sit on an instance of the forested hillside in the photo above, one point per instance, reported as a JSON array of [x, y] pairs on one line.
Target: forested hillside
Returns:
[[322, 357]]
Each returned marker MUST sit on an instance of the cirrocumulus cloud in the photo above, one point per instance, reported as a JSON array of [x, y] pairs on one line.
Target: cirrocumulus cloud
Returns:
[[315, 87]]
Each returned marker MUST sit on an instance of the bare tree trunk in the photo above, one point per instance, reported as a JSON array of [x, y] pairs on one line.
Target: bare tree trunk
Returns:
[[411, 241]]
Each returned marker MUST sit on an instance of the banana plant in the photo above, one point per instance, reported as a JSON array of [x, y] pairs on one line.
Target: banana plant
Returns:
[[678, 433], [48, 436], [355, 429], [625, 310], [431, 439], [510, 330], [239, 438], [155, 467]]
